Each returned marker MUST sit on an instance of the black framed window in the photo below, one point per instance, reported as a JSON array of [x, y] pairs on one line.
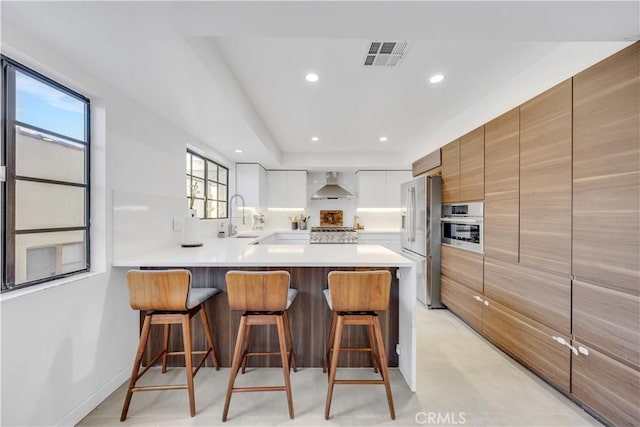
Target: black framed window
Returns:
[[207, 187], [45, 193]]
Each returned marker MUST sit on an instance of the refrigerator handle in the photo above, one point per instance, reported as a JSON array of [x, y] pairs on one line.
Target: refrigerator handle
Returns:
[[413, 214], [409, 216]]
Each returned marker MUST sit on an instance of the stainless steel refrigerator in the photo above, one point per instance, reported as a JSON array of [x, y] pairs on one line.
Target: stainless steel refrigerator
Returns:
[[420, 237]]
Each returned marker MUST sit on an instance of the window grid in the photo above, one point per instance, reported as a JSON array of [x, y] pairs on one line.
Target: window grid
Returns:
[[200, 197], [11, 126]]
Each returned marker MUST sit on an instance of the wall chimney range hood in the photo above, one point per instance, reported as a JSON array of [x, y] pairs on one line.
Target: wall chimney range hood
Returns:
[[332, 190]]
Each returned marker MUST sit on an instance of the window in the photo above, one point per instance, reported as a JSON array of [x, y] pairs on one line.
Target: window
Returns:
[[207, 189], [45, 193]]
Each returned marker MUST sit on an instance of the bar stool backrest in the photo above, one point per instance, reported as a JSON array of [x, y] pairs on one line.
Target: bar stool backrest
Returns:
[[360, 290], [257, 290], [159, 289]]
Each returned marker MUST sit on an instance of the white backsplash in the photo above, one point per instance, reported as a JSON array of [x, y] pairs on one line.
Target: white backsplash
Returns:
[[372, 220], [380, 220]]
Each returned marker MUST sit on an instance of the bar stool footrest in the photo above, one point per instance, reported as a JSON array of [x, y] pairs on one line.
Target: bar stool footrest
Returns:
[[262, 388], [362, 382], [160, 387]]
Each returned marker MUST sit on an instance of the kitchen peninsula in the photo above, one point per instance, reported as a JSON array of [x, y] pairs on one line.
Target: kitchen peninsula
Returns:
[[308, 266]]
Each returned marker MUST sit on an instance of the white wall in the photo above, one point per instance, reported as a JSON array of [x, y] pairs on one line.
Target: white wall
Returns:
[[65, 348]]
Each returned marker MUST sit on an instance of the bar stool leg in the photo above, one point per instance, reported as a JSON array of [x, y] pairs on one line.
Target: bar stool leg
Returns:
[[383, 366], [188, 361], [292, 352], [247, 343], [144, 336], [235, 366], [332, 330], [285, 362], [165, 347], [333, 367], [372, 345], [209, 335]]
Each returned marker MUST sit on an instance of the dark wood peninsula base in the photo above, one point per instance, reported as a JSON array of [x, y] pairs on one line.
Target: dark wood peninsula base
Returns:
[[309, 316]]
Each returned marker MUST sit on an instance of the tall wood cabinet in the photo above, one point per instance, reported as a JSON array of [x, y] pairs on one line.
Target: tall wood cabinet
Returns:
[[451, 172], [502, 187], [545, 180], [606, 177], [606, 237], [561, 269], [463, 168], [472, 165]]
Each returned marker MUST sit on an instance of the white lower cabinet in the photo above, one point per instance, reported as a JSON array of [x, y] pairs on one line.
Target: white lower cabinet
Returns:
[[388, 239]]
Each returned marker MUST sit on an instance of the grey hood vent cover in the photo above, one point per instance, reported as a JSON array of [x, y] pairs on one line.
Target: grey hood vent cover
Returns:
[[332, 190]]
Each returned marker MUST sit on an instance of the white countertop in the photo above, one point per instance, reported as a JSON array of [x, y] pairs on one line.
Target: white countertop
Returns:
[[232, 251]]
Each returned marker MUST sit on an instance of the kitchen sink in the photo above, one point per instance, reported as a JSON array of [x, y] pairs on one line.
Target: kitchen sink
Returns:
[[247, 236]]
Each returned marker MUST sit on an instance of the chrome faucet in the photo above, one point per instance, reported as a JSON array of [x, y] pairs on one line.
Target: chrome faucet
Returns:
[[233, 228]]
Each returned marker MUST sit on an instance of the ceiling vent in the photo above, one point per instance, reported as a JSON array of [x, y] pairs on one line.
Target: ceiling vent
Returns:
[[385, 54]]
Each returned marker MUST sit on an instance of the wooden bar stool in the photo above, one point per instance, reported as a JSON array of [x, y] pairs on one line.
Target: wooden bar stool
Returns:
[[354, 297], [264, 296], [167, 298]]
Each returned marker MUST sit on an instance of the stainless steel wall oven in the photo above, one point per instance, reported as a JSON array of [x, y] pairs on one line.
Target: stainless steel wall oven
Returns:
[[462, 225]]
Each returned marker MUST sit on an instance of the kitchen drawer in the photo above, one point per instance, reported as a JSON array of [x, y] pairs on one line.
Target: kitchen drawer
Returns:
[[462, 301], [463, 267], [543, 297], [607, 386], [608, 320], [529, 342]]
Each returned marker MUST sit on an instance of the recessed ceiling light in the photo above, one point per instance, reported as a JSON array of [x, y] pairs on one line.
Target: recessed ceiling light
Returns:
[[312, 77], [383, 139], [238, 151], [436, 78], [315, 138]]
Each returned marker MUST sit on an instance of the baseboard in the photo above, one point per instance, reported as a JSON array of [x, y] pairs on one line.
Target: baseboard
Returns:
[[90, 403]]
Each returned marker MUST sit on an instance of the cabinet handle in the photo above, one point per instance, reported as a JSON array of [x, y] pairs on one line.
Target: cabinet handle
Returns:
[[583, 350], [565, 343]]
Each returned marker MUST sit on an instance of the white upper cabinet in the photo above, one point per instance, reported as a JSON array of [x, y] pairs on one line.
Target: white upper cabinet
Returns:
[[394, 180], [372, 189], [277, 189], [287, 189], [251, 183], [296, 189], [380, 189]]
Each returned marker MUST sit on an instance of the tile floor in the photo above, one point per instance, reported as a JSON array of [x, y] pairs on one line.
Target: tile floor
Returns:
[[462, 380]]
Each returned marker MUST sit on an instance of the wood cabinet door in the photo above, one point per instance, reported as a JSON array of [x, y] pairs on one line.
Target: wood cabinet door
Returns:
[[606, 172], [462, 266], [545, 180], [462, 301], [607, 386], [451, 172], [472, 165], [502, 187], [529, 342], [607, 320], [541, 296]]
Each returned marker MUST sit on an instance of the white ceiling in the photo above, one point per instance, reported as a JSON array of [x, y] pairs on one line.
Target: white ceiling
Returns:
[[232, 73]]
